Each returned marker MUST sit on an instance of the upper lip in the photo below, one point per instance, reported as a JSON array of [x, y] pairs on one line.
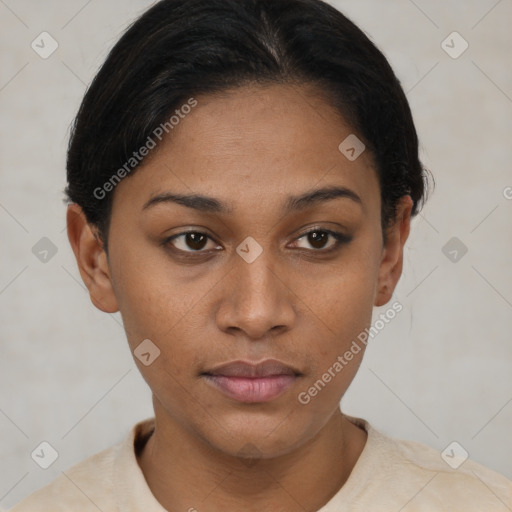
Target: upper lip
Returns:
[[265, 368]]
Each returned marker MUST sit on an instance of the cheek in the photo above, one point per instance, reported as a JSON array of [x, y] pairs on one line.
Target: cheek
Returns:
[[342, 313], [340, 297], [159, 311], [339, 309], [158, 306], [155, 311], [151, 298]]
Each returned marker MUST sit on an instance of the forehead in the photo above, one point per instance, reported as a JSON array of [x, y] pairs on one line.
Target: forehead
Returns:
[[251, 146]]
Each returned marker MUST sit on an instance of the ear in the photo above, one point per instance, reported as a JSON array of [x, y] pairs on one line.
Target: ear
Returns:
[[392, 258], [91, 259]]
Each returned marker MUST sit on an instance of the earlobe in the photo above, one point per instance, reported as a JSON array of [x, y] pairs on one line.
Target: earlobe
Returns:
[[392, 259], [91, 259]]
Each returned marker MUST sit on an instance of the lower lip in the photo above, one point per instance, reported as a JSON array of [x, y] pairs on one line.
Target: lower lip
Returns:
[[249, 390]]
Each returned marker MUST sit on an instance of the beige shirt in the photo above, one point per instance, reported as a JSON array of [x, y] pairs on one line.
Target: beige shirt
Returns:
[[390, 475]]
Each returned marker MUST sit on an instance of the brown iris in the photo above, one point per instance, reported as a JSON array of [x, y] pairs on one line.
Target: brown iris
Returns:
[[196, 241], [318, 238]]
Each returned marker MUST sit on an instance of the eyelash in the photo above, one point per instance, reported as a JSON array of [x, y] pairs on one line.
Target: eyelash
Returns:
[[340, 240]]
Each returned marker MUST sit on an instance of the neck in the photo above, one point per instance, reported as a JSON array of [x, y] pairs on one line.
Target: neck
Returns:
[[184, 472]]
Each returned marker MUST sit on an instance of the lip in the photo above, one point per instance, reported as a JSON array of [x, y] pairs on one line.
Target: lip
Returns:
[[248, 382], [266, 368]]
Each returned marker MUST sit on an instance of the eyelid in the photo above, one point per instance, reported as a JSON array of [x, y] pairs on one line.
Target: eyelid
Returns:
[[340, 238], [200, 231]]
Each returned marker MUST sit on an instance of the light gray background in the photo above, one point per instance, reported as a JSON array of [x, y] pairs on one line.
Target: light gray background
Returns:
[[439, 372]]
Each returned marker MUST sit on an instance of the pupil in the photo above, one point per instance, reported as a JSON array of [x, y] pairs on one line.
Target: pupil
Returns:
[[194, 240], [314, 238]]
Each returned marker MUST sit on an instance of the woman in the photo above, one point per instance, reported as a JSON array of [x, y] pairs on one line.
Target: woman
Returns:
[[241, 177]]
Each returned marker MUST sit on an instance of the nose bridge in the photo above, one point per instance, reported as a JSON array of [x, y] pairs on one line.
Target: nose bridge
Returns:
[[256, 281], [257, 277], [256, 300]]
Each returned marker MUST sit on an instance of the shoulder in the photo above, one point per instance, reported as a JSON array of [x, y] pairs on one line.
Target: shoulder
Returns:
[[87, 486], [452, 479], [99, 482], [418, 477]]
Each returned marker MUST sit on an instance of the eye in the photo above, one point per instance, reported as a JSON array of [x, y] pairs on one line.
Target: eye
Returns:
[[319, 238], [194, 240], [197, 241]]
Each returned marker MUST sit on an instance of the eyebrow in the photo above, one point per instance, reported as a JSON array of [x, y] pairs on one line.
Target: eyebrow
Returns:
[[293, 203]]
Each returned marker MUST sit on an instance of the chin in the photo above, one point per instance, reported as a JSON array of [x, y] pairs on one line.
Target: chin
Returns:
[[254, 438]]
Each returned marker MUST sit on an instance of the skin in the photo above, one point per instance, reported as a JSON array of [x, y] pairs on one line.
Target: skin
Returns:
[[251, 148]]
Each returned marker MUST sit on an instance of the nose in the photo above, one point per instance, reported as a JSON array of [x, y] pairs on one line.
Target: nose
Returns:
[[256, 300]]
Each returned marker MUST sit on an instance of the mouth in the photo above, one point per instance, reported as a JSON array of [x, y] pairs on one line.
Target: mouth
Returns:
[[249, 383]]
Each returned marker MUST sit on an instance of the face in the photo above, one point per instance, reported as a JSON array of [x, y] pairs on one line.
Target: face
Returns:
[[268, 269]]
